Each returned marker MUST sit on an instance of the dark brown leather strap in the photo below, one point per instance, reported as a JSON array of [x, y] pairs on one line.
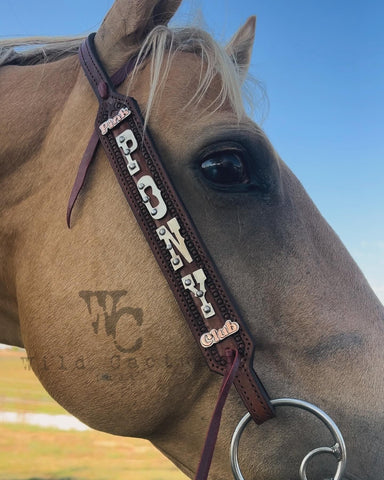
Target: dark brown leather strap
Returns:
[[85, 163], [171, 234], [233, 364]]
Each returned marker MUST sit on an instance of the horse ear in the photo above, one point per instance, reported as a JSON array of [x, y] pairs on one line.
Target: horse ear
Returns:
[[241, 44], [126, 25]]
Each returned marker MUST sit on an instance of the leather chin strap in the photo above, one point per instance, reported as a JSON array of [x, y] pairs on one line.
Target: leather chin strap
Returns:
[[201, 295]]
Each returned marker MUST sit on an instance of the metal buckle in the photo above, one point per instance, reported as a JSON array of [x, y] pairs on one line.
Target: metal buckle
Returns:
[[338, 449]]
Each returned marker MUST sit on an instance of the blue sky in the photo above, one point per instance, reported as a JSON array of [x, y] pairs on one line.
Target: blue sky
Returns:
[[323, 67]]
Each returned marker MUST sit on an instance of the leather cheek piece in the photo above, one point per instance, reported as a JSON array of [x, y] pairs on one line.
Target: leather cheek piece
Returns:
[[175, 242]]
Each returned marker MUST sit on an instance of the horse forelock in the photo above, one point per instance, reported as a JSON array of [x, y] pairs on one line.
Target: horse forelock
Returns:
[[162, 46]]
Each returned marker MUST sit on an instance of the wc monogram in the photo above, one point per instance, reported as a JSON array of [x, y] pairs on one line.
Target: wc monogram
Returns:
[[170, 234]]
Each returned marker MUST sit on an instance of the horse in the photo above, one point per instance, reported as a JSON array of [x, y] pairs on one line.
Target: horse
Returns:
[[103, 331]]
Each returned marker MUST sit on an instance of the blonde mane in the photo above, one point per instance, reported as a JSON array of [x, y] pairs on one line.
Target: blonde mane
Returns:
[[160, 46], [163, 43], [37, 50]]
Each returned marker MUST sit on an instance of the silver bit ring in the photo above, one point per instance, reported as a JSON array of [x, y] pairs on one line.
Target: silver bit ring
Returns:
[[338, 450]]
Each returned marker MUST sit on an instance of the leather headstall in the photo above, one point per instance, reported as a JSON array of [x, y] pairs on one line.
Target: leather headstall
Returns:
[[172, 236]]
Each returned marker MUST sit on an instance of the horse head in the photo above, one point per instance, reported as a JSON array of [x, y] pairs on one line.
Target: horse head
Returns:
[[100, 324]]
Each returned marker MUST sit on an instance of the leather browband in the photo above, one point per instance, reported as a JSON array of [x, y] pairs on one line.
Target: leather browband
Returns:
[[172, 236]]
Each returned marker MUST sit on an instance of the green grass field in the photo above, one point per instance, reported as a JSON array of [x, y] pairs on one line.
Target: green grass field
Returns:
[[28, 452]]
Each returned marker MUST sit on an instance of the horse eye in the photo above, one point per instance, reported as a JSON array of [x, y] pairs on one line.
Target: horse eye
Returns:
[[225, 169]]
